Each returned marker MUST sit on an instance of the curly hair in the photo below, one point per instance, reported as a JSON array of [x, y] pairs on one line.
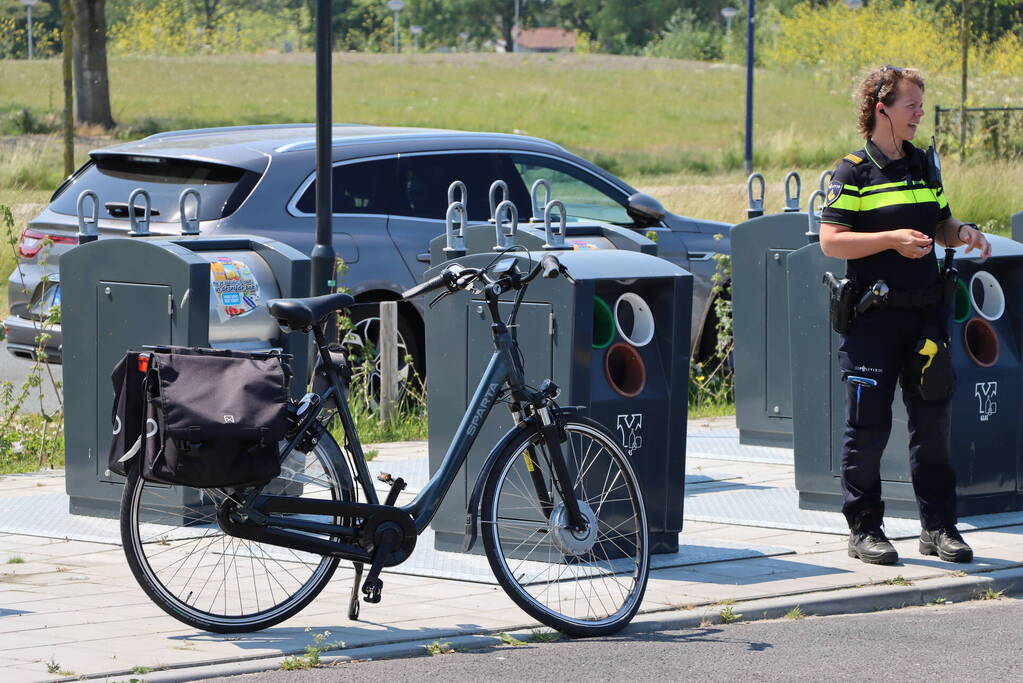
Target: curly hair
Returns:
[[880, 86]]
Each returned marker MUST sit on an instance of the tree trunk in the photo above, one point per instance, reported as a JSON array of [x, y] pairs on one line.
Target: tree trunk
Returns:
[[92, 90]]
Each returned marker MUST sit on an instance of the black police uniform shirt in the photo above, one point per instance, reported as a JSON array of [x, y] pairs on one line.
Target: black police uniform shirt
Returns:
[[871, 193]]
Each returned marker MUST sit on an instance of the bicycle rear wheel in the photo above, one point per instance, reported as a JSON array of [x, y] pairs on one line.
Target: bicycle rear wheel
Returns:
[[586, 583], [216, 582]]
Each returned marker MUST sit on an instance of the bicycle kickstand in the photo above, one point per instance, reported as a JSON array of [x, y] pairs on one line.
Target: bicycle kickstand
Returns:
[[353, 603]]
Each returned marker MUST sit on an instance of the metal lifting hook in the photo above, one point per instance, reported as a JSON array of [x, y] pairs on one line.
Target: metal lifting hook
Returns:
[[813, 216], [139, 227], [536, 205], [555, 238], [756, 206], [455, 237], [189, 226], [792, 200], [506, 240], [494, 201], [463, 196], [88, 228]]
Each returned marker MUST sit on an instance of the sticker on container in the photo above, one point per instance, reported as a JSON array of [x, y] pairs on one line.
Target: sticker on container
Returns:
[[580, 245], [233, 288]]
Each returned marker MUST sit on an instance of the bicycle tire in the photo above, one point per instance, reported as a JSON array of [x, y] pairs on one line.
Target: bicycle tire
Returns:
[[524, 545], [167, 547]]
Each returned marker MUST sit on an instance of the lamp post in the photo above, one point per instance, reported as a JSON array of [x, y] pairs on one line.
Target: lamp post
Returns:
[[28, 7], [464, 36], [396, 6], [749, 86], [854, 4], [728, 13], [415, 30]]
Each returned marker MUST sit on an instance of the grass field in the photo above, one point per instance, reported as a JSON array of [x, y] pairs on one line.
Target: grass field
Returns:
[[670, 128]]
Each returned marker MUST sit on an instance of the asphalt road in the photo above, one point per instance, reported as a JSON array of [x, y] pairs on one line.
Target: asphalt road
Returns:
[[16, 370], [971, 641]]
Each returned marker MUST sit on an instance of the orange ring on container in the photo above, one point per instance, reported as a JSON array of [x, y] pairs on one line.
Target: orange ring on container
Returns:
[[981, 342], [625, 370]]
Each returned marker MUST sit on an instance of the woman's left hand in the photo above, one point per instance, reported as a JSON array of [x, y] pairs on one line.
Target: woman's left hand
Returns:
[[974, 239]]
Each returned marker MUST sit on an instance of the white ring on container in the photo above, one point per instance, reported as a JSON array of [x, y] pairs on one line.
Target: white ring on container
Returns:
[[642, 319], [994, 297]]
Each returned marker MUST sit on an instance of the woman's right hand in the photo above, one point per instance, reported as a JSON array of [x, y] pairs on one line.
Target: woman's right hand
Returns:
[[911, 243]]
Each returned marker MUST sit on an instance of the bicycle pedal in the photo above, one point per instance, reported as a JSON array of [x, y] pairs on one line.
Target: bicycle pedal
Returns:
[[372, 590], [397, 486]]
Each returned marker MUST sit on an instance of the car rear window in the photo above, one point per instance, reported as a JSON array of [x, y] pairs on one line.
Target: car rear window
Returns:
[[359, 187], [223, 188]]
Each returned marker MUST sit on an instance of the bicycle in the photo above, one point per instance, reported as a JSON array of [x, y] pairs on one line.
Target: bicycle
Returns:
[[557, 503]]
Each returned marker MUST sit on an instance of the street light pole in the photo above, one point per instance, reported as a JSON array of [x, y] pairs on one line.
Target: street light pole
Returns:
[[396, 6], [515, 29], [728, 13], [415, 30], [322, 257], [28, 7], [749, 86]]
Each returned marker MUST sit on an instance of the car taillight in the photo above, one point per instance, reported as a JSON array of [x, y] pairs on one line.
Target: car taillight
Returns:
[[32, 241]]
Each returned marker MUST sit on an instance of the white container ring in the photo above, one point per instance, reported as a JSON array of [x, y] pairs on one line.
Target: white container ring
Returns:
[[634, 319], [992, 300]]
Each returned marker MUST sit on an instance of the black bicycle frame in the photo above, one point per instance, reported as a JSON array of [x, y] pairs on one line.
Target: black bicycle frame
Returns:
[[502, 368]]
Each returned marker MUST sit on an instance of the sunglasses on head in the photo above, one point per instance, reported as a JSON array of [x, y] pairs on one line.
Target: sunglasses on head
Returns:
[[880, 84]]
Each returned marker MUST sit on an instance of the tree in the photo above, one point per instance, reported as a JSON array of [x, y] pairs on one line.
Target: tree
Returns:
[[92, 88]]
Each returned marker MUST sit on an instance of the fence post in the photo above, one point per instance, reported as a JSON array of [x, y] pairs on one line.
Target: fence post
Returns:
[[388, 360]]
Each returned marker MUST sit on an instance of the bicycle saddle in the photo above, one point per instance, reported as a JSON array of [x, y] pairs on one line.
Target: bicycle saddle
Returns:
[[299, 313]]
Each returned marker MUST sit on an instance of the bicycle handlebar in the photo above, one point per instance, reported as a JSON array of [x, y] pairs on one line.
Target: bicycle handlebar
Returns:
[[456, 277]]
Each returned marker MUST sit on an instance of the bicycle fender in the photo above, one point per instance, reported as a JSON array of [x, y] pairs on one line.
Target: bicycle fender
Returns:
[[472, 509]]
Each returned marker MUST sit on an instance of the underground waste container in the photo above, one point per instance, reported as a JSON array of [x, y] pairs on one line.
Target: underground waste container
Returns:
[[760, 321], [120, 293], [616, 342], [986, 329]]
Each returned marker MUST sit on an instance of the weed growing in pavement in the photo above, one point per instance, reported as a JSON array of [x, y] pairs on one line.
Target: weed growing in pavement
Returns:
[[728, 615], [543, 635], [706, 622], [138, 669], [509, 639], [899, 580], [439, 648], [52, 667], [795, 613], [311, 657], [990, 594], [959, 573], [16, 560], [940, 601]]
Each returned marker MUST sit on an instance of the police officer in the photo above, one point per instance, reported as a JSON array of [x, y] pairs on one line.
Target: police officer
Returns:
[[884, 211]]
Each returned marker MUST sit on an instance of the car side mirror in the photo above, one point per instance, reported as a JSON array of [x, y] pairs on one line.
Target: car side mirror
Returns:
[[645, 210]]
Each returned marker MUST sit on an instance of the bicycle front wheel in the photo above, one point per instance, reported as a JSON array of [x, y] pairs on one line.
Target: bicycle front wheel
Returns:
[[586, 582], [216, 582]]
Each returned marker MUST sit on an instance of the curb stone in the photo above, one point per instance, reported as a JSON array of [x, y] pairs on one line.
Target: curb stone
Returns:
[[873, 598]]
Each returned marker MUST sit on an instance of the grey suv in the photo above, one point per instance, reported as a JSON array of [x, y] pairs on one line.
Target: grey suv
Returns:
[[390, 189]]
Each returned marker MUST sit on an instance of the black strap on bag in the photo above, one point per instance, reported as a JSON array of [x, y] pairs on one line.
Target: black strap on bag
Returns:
[[207, 417]]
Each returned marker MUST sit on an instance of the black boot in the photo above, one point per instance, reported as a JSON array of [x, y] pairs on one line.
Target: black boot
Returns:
[[868, 542], [946, 543]]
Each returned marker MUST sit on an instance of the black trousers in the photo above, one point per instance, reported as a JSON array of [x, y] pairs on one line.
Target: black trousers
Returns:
[[877, 350]]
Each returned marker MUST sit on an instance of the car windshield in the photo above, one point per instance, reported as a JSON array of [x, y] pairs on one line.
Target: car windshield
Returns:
[[112, 178]]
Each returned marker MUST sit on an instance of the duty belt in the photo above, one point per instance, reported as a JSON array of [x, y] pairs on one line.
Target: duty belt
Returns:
[[913, 299]]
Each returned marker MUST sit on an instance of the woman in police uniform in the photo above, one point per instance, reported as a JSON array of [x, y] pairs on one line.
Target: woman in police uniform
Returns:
[[884, 211]]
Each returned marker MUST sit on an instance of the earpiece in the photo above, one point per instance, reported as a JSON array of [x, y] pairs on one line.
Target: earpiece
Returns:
[[884, 112]]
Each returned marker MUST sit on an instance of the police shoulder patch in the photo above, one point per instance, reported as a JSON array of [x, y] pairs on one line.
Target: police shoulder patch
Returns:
[[833, 193], [853, 159]]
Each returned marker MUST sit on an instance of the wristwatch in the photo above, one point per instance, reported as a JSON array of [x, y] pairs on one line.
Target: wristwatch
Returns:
[[959, 232]]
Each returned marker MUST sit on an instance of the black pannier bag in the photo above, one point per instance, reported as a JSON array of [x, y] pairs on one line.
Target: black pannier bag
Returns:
[[205, 418]]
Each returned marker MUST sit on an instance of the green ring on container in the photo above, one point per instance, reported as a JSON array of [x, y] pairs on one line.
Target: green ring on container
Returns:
[[603, 324], [962, 309]]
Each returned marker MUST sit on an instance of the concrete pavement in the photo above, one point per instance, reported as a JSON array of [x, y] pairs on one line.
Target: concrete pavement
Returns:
[[71, 609]]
